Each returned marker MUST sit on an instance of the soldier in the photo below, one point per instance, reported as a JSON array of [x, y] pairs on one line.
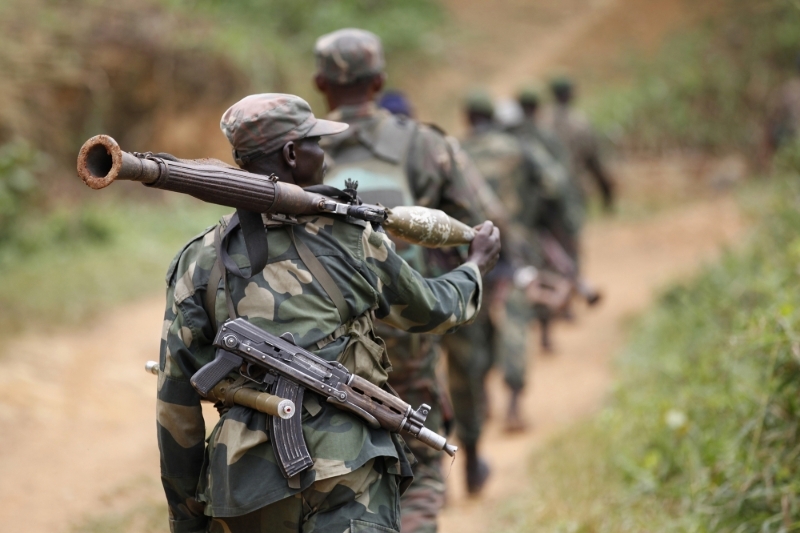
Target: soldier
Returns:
[[325, 279], [573, 129], [522, 186], [396, 161], [784, 112], [561, 217]]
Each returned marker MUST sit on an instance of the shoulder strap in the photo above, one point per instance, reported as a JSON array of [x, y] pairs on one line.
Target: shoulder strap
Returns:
[[318, 271], [218, 273], [214, 278], [255, 241]]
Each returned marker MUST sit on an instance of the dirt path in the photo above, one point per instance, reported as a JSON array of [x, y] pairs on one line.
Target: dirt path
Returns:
[[77, 409], [78, 431], [628, 261]]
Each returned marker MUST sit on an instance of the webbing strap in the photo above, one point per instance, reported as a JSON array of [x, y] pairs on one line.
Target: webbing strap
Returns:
[[255, 241], [218, 272], [213, 281], [318, 271]]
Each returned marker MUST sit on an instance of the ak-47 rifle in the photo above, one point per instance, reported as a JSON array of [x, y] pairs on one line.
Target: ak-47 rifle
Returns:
[[289, 370], [560, 260]]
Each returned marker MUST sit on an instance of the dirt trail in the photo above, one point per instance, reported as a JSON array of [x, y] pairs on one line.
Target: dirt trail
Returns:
[[628, 261], [79, 431], [81, 426]]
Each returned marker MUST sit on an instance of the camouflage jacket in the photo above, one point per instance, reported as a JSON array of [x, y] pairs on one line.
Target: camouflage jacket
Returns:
[[573, 129], [554, 157], [237, 473], [434, 177], [520, 182], [434, 180]]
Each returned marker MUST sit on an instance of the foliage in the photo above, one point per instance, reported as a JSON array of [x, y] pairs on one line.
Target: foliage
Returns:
[[709, 87], [18, 186], [703, 433], [273, 40], [70, 266]]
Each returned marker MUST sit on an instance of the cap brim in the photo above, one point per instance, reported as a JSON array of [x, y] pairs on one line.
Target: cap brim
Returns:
[[326, 127]]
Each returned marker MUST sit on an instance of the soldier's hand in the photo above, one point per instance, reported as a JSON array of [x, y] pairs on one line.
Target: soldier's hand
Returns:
[[485, 247]]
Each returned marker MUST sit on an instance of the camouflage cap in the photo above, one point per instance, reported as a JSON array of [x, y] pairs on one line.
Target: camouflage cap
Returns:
[[529, 95], [561, 83], [349, 54], [479, 101], [263, 123]]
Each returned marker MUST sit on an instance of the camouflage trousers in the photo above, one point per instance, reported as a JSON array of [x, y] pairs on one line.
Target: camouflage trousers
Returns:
[[473, 350], [511, 339], [366, 500], [414, 361]]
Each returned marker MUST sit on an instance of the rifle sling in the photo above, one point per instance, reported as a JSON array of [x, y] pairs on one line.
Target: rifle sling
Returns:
[[255, 241], [221, 266], [318, 271], [213, 282]]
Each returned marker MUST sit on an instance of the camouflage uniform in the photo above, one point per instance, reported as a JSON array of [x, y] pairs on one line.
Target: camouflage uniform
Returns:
[[397, 161], [522, 185], [550, 153], [573, 129], [470, 350], [357, 475]]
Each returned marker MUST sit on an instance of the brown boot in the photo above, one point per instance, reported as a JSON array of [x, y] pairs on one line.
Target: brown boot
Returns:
[[477, 470]]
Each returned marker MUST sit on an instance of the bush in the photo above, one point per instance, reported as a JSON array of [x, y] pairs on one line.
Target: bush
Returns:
[[18, 186], [708, 88], [703, 433]]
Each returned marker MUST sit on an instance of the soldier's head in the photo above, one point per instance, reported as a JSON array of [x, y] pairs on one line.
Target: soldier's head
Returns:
[[563, 90], [528, 98], [278, 134], [479, 108], [350, 67]]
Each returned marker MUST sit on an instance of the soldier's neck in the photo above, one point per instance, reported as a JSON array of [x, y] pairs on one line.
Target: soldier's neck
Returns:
[[267, 168]]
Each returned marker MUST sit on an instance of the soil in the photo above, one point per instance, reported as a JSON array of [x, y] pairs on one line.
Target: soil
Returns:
[[628, 261], [77, 408]]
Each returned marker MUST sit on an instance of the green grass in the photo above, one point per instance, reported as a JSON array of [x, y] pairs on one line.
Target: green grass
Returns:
[[73, 265], [708, 88], [703, 431]]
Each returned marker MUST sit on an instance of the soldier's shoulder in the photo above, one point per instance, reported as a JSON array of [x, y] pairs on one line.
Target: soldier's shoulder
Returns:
[[495, 140], [198, 248], [432, 133], [333, 234]]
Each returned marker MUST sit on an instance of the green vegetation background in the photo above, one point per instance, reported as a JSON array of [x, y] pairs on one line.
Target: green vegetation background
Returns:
[[67, 253], [703, 430]]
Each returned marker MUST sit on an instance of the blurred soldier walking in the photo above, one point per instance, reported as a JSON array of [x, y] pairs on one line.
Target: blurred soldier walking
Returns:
[[561, 218], [396, 161], [325, 279], [783, 124], [523, 186], [574, 130]]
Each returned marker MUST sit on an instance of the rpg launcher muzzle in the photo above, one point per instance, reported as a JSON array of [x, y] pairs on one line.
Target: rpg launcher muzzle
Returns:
[[101, 162]]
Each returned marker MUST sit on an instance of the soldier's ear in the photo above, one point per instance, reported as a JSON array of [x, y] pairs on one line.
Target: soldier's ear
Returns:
[[290, 154], [378, 82], [321, 83]]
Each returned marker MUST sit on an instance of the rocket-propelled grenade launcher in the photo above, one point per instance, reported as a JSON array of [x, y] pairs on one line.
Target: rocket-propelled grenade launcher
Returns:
[[101, 161]]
